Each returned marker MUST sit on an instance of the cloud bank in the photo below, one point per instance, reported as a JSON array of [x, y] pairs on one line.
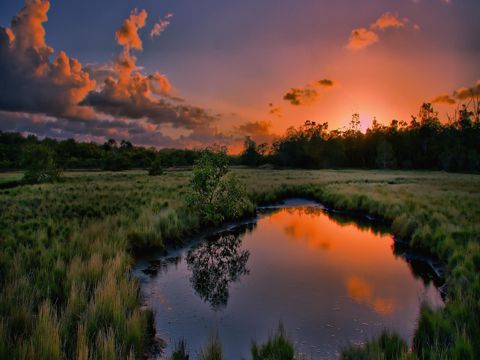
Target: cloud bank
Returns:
[[62, 98]]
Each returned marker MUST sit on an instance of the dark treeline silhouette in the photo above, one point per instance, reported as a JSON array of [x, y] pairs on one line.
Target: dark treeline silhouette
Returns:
[[70, 154], [423, 143]]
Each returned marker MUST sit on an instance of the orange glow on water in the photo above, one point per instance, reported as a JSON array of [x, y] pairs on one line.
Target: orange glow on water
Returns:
[[355, 254]]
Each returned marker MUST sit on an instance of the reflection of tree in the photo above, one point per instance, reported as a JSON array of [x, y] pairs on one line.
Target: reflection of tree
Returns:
[[215, 264]]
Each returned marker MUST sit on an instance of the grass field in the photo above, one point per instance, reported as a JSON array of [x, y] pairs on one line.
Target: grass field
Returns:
[[66, 250]]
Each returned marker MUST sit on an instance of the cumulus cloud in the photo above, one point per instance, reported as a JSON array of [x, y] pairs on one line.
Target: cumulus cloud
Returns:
[[129, 93], [61, 98], [30, 81], [308, 94], [363, 37], [161, 26], [127, 35]]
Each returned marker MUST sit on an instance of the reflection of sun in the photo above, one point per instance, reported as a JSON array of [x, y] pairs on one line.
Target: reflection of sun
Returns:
[[362, 292]]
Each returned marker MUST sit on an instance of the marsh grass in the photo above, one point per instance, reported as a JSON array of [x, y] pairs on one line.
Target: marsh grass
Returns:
[[212, 350], [66, 252], [277, 347], [180, 351]]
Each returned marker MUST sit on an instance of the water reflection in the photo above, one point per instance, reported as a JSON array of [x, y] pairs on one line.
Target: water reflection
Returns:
[[332, 279], [362, 291], [215, 264]]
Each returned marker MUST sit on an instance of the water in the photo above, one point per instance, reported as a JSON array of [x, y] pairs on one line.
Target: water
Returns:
[[331, 280]]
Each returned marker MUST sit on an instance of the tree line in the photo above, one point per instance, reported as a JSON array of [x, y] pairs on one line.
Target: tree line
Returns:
[[22, 152], [423, 143]]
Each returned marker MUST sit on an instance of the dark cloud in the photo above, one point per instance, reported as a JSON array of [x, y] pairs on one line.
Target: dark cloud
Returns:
[[307, 94], [444, 99], [259, 131], [462, 94], [275, 110], [326, 82], [301, 96], [465, 93]]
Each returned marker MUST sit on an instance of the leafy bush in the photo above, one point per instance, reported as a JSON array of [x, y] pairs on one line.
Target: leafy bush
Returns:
[[215, 193], [156, 168], [40, 164]]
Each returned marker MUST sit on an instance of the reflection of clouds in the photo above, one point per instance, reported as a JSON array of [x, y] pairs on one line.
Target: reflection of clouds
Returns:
[[302, 228], [362, 291]]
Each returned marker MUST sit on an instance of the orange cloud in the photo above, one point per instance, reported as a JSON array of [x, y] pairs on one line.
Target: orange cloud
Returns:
[[42, 86], [388, 20], [131, 94], [361, 38], [127, 35]]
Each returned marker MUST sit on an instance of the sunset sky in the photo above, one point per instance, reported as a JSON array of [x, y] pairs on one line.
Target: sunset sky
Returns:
[[188, 73]]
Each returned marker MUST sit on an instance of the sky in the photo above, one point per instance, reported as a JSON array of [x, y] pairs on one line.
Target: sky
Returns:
[[190, 73]]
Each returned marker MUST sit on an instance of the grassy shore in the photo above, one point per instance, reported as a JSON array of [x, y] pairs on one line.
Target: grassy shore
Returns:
[[66, 250]]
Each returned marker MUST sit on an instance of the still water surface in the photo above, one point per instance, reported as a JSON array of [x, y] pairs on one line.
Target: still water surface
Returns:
[[331, 281]]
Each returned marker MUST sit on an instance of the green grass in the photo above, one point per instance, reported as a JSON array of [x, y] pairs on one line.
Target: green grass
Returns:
[[66, 250], [277, 347]]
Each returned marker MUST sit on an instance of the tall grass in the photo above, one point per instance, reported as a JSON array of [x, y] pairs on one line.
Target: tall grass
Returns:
[[277, 347], [212, 350], [66, 251]]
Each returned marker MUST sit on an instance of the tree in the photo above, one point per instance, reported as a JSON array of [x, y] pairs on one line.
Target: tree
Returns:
[[385, 155], [216, 194], [156, 168], [251, 155], [40, 164]]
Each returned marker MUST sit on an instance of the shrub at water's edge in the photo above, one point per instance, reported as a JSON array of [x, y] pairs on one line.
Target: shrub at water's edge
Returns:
[[217, 194]]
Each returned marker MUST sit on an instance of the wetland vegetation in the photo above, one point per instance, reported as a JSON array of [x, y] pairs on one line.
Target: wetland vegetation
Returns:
[[68, 248]]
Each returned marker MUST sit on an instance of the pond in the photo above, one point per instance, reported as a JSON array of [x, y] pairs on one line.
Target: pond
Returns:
[[332, 280]]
